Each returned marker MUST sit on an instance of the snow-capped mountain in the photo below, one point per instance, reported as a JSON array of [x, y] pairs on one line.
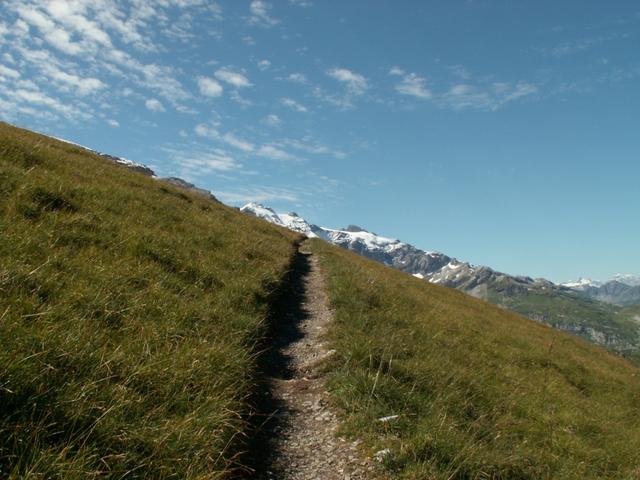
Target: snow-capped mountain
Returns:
[[622, 289], [434, 267], [562, 306], [581, 284], [627, 279]]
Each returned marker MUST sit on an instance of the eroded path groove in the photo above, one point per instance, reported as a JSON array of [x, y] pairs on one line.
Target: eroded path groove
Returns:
[[298, 437]]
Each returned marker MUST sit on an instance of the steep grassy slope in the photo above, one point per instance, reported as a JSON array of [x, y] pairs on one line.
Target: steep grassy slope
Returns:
[[129, 313], [481, 393]]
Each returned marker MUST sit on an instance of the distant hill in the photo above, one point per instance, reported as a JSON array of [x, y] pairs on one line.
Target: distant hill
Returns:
[[539, 299]]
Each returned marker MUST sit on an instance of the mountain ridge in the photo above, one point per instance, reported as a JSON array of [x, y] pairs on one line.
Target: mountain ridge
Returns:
[[559, 306]]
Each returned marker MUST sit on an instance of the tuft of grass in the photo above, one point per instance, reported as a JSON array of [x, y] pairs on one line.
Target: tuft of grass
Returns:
[[130, 311], [480, 392]]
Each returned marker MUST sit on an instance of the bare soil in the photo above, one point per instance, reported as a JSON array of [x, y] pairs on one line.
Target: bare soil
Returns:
[[298, 438]]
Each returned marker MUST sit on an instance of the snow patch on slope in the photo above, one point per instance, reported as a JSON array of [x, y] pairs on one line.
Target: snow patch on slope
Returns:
[[581, 284]]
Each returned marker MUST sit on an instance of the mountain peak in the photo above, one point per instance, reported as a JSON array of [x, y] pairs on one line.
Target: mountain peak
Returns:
[[581, 284], [627, 279], [354, 229], [259, 210]]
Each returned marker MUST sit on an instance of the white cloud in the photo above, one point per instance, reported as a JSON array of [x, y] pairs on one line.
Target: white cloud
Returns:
[[208, 131], [522, 89], [298, 78], [186, 110], [54, 35], [8, 72], [272, 120], [356, 83], [154, 105], [289, 102], [36, 97], [413, 85], [209, 87], [211, 131], [396, 71], [236, 79], [113, 123], [82, 86], [238, 143], [260, 14], [79, 29], [204, 162], [274, 153], [464, 96], [264, 64]]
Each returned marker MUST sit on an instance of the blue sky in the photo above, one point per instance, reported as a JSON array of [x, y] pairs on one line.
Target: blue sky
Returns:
[[504, 133]]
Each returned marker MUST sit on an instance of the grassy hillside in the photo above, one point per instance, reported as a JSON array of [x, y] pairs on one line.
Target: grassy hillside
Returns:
[[129, 315], [481, 393]]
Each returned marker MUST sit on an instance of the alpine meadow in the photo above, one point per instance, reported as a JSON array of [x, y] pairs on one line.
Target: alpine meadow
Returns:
[[319, 240]]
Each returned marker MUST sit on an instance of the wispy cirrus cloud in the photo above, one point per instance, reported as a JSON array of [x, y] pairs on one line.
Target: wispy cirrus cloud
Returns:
[[411, 84], [258, 194], [275, 153], [492, 97], [237, 142], [8, 72], [292, 104], [259, 14], [83, 47], [309, 145], [195, 159], [298, 77], [271, 120], [233, 78], [354, 85]]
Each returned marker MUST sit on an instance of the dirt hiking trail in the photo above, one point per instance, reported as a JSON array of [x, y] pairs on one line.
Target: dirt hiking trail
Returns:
[[297, 438]]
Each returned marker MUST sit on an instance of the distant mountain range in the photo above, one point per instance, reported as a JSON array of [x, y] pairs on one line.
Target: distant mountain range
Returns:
[[622, 290], [591, 310], [605, 313]]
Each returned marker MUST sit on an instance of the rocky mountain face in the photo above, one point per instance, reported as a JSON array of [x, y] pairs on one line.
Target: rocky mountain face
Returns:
[[560, 306], [622, 290]]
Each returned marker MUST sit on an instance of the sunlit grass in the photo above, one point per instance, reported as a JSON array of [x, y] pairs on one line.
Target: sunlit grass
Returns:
[[481, 393], [129, 313]]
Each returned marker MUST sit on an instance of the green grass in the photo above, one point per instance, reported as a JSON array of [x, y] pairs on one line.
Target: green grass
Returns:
[[130, 311], [481, 392]]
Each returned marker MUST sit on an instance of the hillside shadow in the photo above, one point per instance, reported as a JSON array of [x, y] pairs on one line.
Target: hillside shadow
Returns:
[[271, 415]]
